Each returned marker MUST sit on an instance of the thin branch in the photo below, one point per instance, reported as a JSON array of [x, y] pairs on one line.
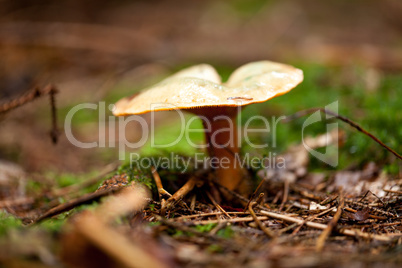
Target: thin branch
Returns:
[[85, 199], [209, 214], [320, 226], [392, 191], [233, 220], [32, 95], [184, 228], [54, 133], [344, 119], [267, 231], [285, 194], [159, 185], [61, 192], [217, 205], [311, 218], [238, 196], [75, 188], [180, 194], [331, 225], [255, 193]]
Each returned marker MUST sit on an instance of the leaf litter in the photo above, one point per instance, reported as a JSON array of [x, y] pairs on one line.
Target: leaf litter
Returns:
[[286, 223]]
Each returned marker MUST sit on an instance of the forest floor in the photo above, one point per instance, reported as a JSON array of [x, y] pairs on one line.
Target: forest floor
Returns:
[[63, 205]]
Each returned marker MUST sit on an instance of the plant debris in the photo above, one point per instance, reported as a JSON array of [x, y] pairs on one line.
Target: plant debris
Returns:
[[191, 228]]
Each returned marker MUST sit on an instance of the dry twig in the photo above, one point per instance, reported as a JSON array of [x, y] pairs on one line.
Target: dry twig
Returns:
[[321, 226], [344, 119], [233, 220], [209, 214], [85, 199], [332, 224], [254, 193], [267, 231], [217, 205], [76, 187], [159, 185], [285, 194], [183, 191], [31, 95]]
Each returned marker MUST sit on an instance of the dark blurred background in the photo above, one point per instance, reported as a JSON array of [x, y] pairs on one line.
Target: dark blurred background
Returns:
[[97, 50]]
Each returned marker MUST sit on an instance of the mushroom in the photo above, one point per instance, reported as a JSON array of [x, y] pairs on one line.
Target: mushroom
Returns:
[[199, 90]]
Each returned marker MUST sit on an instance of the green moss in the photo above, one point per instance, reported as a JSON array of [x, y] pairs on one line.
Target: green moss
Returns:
[[56, 180], [8, 222], [204, 228], [248, 8], [392, 168], [178, 233], [52, 225], [155, 223], [33, 186], [214, 248], [137, 175], [55, 224], [65, 180], [226, 232]]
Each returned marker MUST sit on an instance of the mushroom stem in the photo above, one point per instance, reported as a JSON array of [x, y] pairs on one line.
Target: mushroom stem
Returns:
[[221, 135]]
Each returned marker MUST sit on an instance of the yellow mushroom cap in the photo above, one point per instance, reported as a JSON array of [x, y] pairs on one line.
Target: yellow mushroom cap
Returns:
[[200, 86]]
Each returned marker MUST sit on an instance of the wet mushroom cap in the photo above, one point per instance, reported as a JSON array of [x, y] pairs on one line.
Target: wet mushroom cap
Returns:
[[200, 86]]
